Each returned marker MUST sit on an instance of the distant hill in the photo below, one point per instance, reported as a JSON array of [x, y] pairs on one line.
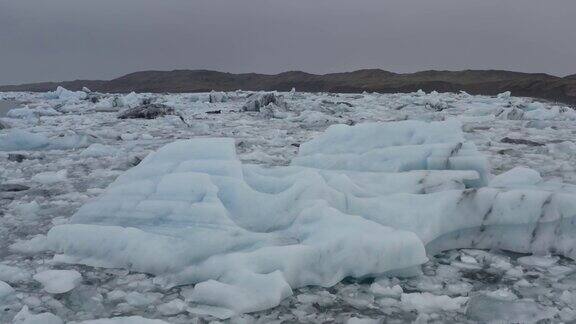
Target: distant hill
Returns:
[[573, 77], [488, 82]]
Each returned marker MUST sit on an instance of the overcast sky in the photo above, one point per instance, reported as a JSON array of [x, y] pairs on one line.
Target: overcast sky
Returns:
[[44, 40]]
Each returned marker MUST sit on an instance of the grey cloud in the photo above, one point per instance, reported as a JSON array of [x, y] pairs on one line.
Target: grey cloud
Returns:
[[44, 40]]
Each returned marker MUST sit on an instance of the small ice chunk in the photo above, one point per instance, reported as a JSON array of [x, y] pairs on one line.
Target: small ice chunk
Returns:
[[27, 210], [129, 136], [502, 294], [263, 100], [569, 298], [243, 294], [21, 140], [519, 176], [116, 295], [486, 308], [65, 94], [379, 290], [215, 311], [47, 178], [13, 274], [429, 303], [216, 97], [34, 245], [565, 148], [124, 320], [58, 281], [356, 320], [172, 307], [137, 299], [567, 314], [99, 150], [468, 259], [5, 290], [538, 261], [27, 113], [25, 317], [559, 270]]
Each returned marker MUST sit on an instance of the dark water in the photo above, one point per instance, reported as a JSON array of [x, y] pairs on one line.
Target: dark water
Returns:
[[6, 105]]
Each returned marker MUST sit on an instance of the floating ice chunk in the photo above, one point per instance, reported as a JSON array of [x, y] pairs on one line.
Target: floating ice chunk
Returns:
[[245, 292], [538, 261], [99, 150], [487, 308], [518, 176], [502, 294], [12, 274], [429, 303], [34, 245], [130, 100], [393, 147], [355, 320], [484, 109], [172, 307], [272, 111], [312, 119], [565, 148], [27, 210], [258, 101], [65, 95], [58, 281], [25, 317], [537, 111], [215, 97], [106, 105], [124, 320], [137, 299], [4, 124], [512, 114], [214, 311], [5, 290], [149, 111], [20, 140], [379, 290], [27, 113], [47, 178]]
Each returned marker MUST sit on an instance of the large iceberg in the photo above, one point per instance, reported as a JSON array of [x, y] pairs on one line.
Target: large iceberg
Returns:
[[357, 201]]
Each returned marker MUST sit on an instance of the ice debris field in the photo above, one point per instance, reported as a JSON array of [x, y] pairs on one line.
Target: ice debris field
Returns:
[[249, 207]]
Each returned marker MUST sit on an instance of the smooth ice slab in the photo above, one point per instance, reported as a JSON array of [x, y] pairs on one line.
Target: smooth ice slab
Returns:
[[394, 147], [357, 201]]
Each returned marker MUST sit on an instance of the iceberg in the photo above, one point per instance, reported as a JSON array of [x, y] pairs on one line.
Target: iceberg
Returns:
[[65, 94], [357, 201], [21, 140]]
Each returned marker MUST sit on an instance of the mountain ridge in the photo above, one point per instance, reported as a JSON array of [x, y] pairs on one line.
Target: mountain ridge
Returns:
[[487, 82]]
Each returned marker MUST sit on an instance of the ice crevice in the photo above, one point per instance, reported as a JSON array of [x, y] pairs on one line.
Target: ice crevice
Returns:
[[357, 201]]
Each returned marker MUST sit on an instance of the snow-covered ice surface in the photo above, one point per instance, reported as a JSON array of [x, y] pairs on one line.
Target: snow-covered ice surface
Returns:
[[287, 207]]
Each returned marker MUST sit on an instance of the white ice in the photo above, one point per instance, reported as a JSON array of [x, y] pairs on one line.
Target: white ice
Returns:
[[356, 201], [272, 137], [124, 320], [58, 281], [26, 317], [20, 140]]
